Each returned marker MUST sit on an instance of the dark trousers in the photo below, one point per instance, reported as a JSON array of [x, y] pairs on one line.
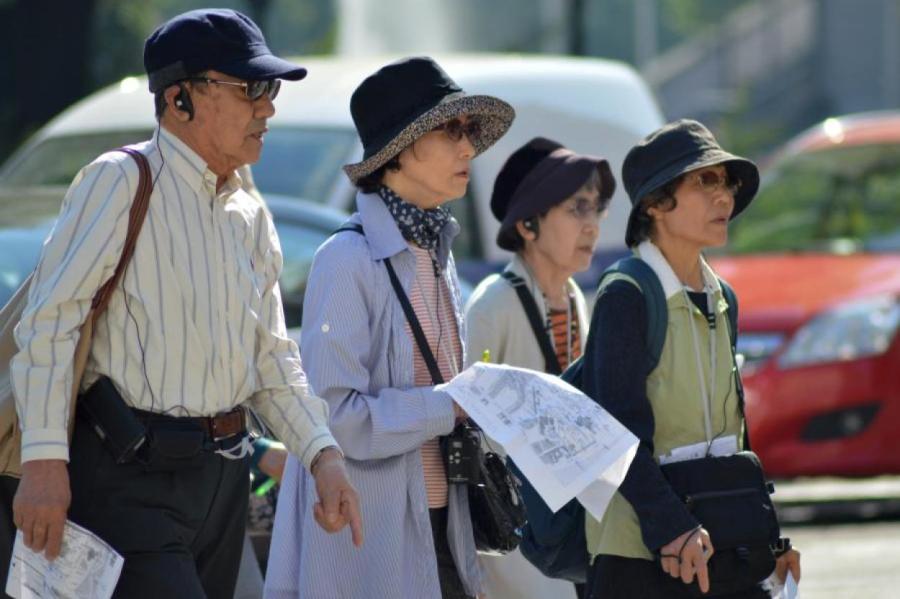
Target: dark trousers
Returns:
[[179, 529], [451, 585], [8, 486], [614, 577]]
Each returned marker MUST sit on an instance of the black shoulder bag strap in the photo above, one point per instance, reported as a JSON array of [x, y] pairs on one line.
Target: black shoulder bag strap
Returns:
[[731, 299], [551, 362], [418, 333]]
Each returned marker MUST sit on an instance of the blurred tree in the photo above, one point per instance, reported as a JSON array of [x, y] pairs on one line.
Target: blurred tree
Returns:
[[45, 47], [58, 52], [610, 24]]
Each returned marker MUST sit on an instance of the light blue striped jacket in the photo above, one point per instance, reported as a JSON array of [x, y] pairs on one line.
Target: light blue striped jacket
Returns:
[[359, 358]]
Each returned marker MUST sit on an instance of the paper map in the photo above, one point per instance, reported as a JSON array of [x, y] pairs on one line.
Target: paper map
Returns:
[[561, 440], [86, 567]]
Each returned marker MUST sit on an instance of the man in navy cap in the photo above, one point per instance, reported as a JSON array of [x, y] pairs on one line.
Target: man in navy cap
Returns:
[[193, 335]]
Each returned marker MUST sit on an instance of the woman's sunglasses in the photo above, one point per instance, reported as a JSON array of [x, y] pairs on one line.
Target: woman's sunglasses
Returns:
[[712, 182], [455, 129], [254, 90]]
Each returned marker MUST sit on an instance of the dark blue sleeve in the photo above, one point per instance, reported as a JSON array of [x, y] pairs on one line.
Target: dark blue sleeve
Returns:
[[615, 376]]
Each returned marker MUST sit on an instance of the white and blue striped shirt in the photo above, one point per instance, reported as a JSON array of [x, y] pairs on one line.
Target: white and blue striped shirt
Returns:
[[196, 325]]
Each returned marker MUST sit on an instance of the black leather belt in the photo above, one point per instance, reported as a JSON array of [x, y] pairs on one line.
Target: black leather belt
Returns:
[[218, 427]]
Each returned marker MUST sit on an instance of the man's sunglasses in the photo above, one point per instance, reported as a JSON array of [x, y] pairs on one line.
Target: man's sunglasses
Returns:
[[254, 90], [455, 129]]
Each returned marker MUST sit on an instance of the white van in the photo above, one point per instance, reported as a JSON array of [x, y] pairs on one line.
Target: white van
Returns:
[[591, 105]]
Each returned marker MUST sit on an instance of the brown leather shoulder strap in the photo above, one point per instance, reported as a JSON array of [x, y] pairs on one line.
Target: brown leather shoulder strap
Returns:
[[135, 221]]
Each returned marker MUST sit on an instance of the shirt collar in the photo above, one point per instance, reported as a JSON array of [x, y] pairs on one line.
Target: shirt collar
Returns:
[[649, 253], [191, 167], [383, 234]]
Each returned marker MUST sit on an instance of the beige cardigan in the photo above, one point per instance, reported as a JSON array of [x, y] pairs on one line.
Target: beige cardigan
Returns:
[[495, 320]]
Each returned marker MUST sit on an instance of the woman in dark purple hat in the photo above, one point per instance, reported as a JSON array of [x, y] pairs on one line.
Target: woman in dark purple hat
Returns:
[[549, 201]]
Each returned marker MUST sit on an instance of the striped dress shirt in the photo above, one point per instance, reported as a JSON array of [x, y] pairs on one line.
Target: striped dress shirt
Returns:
[[360, 358], [196, 325]]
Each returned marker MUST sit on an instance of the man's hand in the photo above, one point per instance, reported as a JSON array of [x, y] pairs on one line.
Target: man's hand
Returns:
[[41, 503], [687, 555], [789, 560], [338, 503]]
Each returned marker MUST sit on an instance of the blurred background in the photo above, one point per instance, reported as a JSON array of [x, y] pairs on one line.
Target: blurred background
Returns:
[[810, 89], [755, 71]]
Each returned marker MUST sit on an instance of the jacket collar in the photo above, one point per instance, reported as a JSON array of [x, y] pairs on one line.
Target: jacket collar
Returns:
[[383, 234], [651, 254]]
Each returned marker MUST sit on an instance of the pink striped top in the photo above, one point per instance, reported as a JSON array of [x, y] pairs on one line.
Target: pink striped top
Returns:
[[439, 325]]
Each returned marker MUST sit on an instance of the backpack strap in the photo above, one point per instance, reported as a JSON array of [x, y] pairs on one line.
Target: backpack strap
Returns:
[[731, 299], [551, 362], [654, 301]]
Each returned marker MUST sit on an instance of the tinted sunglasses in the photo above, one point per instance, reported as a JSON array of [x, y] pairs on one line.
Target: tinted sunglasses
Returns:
[[455, 129], [712, 182], [254, 90]]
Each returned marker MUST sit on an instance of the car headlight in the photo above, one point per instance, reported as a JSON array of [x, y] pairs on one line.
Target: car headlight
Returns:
[[848, 332]]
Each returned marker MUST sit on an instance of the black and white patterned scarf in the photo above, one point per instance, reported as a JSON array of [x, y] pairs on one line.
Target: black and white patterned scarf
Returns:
[[422, 227]]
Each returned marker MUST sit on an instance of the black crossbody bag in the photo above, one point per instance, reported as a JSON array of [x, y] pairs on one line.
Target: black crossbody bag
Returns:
[[730, 497], [495, 504]]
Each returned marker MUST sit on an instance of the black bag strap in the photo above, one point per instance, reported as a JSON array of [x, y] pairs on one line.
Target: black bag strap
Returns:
[[418, 333], [731, 299], [414, 324], [551, 362]]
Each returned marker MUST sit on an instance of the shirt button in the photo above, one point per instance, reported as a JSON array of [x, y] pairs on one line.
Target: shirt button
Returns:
[[325, 328]]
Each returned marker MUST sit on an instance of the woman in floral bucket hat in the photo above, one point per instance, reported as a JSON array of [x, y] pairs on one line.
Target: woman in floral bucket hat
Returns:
[[684, 189], [419, 133]]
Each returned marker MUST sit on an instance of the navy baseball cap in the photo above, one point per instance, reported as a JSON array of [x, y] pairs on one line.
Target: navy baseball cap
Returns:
[[212, 39]]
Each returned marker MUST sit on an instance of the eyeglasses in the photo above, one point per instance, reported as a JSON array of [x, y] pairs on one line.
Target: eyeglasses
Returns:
[[712, 182], [254, 90], [455, 129], [586, 210]]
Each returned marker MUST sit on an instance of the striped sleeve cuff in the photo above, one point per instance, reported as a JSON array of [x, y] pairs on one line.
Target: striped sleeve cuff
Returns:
[[439, 415], [45, 444], [309, 448]]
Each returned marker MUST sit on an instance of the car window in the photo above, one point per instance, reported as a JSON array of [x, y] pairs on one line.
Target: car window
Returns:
[[303, 162], [298, 244], [56, 160], [841, 200], [299, 162]]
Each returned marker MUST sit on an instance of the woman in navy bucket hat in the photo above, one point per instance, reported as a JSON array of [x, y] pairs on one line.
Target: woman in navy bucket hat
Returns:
[[684, 189]]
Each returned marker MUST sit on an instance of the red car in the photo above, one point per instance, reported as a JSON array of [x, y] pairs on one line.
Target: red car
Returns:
[[816, 264]]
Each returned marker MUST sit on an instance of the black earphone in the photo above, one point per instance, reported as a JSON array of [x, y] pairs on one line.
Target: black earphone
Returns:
[[183, 101], [531, 224]]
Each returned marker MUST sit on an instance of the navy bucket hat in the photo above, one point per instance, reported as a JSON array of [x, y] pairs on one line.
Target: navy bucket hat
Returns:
[[212, 39], [406, 99], [673, 150]]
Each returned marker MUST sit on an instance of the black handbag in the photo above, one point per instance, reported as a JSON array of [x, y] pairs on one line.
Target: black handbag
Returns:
[[729, 496], [495, 504], [496, 507]]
